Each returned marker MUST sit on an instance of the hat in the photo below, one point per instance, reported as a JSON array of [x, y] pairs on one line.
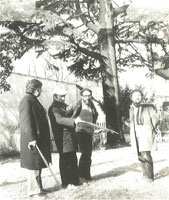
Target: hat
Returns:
[[60, 91], [32, 85]]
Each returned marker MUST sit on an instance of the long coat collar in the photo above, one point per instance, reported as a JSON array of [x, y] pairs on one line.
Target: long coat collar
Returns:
[[139, 117]]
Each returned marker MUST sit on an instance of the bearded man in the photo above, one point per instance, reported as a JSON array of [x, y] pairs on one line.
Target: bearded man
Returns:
[[143, 121]]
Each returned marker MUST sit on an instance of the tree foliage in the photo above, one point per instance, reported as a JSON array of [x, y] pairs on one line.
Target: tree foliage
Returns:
[[61, 28]]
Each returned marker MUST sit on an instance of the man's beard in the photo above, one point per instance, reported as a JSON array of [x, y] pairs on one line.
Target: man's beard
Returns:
[[136, 103], [87, 102]]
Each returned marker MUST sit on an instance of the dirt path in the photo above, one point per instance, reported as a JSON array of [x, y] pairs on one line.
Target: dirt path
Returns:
[[116, 175]]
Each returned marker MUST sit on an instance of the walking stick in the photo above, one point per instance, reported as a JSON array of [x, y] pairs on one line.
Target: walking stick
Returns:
[[98, 126], [47, 165]]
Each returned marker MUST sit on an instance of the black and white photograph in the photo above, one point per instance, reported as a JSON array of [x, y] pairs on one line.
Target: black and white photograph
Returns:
[[84, 99]]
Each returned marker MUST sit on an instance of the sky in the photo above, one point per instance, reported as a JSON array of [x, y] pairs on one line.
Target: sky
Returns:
[[148, 10], [28, 7], [156, 4]]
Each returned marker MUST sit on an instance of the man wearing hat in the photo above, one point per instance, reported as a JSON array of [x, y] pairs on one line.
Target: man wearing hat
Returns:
[[63, 131], [143, 121], [34, 131]]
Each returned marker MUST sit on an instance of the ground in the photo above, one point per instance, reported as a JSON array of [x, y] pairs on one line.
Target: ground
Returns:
[[116, 175]]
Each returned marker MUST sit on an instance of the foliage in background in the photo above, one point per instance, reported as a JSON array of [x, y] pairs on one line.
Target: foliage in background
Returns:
[[5, 71], [56, 28], [9, 135], [95, 40], [125, 102]]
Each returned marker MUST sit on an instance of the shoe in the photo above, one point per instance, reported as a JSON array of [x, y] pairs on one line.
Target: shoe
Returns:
[[89, 179], [43, 191], [147, 180], [77, 183], [72, 187], [64, 186], [83, 181], [41, 194]]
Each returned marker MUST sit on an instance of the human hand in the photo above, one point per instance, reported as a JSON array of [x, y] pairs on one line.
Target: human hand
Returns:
[[31, 145], [77, 120], [69, 108]]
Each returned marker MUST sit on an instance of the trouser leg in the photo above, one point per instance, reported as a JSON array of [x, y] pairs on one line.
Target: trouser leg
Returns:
[[147, 164], [85, 144], [32, 183], [89, 160], [64, 169], [39, 180], [142, 163], [74, 174]]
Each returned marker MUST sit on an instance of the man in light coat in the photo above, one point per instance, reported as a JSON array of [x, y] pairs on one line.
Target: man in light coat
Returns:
[[143, 121], [34, 131]]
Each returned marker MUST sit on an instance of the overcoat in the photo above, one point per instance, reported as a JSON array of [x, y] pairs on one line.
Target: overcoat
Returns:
[[62, 127], [34, 126], [143, 134]]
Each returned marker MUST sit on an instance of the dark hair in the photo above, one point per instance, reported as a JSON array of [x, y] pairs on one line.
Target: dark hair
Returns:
[[85, 89], [32, 85], [136, 90]]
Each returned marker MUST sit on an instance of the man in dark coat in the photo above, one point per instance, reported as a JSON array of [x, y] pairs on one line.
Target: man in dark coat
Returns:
[[34, 131], [86, 111], [63, 131]]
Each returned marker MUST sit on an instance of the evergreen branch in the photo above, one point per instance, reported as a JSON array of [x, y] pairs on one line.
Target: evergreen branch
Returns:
[[89, 53], [95, 28], [120, 10], [142, 41], [15, 27]]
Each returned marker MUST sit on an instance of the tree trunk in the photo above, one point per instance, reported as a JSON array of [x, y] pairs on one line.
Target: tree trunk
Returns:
[[110, 79]]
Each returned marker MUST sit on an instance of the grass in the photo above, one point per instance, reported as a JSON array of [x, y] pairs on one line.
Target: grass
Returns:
[[116, 176]]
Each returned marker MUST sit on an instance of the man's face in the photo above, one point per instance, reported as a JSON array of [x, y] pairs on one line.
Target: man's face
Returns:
[[38, 92], [86, 97], [61, 98], [136, 98]]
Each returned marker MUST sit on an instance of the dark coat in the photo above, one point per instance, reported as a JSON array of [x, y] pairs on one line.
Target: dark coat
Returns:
[[34, 126], [62, 127]]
